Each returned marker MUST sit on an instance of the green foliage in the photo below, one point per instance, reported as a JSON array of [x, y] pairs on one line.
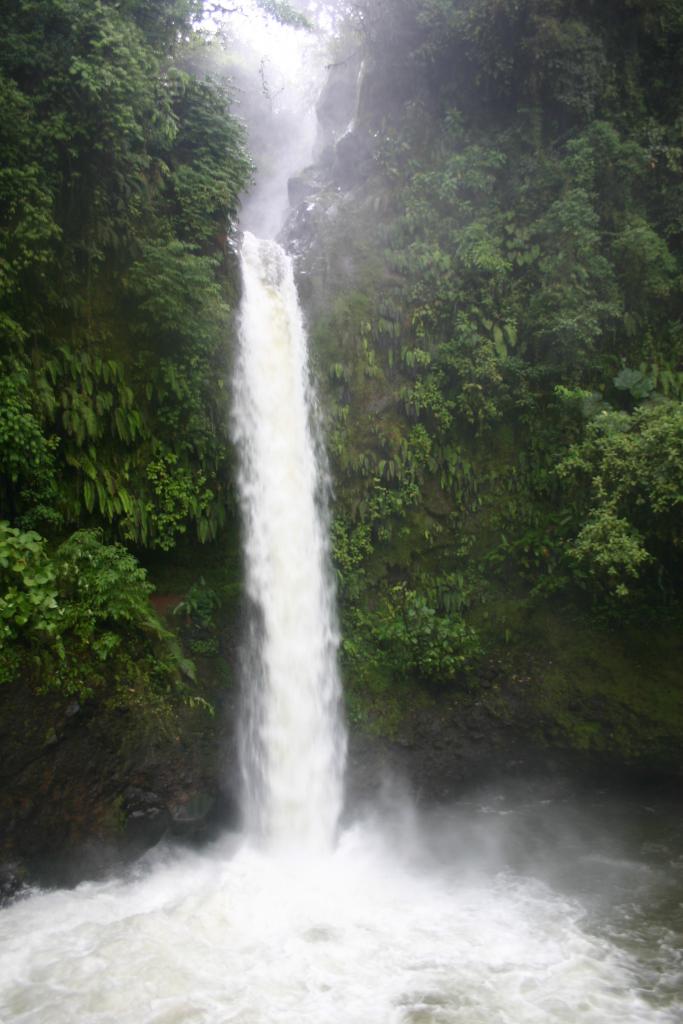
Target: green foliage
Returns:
[[405, 635], [80, 623], [506, 355], [284, 12], [27, 455], [177, 494], [577, 295], [204, 647], [119, 189], [638, 384], [207, 163], [28, 602], [200, 604], [101, 583], [176, 291], [631, 467], [648, 268], [610, 549], [110, 639]]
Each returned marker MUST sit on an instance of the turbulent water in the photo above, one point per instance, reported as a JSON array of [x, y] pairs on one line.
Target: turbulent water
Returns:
[[500, 912], [292, 738]]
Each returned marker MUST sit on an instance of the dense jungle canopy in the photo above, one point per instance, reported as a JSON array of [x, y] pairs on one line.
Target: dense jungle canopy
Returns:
[[506, 353], [494, 274], [119, 188]]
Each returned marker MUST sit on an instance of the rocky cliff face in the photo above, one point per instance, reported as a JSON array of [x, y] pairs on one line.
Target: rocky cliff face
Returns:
[[84, 790]]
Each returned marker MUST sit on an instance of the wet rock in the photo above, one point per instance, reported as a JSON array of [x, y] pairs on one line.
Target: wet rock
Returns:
[[11, 882], [51, 738], [141, 801], [338, 101], [193, 817], [147, 818], [305, 186], [352, 159]]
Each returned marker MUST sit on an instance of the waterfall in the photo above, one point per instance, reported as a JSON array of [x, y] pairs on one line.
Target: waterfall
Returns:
[[292, 739]]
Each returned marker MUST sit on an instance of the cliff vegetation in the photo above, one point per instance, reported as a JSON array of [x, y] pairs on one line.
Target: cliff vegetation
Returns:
[[494, 273]]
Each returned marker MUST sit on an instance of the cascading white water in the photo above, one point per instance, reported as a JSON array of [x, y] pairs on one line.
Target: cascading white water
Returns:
[[292, 740], [394, 926]]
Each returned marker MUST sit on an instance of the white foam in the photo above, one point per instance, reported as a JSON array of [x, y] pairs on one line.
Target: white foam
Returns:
[[352, 937]]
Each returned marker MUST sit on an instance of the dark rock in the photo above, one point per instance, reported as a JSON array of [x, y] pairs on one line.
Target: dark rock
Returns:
[[11, 882], [136, 799], [147, 818], [300, 188], [194, 817], [51, 737], [352, 159], [338, 101], [206, 814]]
